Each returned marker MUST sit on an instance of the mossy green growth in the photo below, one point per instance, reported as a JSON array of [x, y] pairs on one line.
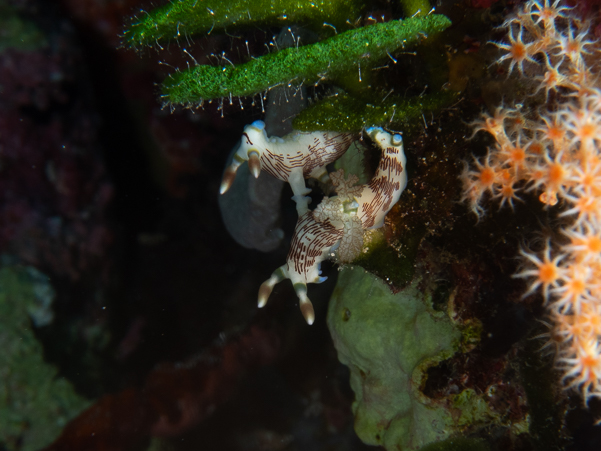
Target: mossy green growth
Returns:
[[395, 264], [180, 18], [310, 63], [345, 113], [389, 341], [35, 402]]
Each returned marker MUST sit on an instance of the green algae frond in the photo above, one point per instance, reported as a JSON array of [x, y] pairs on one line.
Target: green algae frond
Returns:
[[345, 113], [311, 63], [182, 18]]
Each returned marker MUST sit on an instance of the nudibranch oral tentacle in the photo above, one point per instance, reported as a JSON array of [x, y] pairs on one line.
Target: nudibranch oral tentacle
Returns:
[[339, 222], [293, 158]]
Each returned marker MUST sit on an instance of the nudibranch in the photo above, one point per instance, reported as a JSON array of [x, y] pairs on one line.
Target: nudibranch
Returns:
[[293, 158], [338, 222]]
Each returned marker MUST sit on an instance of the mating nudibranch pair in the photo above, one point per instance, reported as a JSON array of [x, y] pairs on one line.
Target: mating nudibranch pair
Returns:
[[338, 222]]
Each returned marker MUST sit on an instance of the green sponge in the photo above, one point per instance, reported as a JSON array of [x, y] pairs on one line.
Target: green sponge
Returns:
[[389, 341]]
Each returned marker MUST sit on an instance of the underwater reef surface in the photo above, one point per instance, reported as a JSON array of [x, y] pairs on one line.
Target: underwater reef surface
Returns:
[[154, 325], [35, 401]]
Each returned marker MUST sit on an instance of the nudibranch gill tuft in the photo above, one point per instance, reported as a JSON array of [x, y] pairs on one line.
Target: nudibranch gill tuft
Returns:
[[338, 222], [293, 158]]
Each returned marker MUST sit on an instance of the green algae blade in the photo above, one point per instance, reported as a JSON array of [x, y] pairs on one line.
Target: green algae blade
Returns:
[[181, 18], [320, 61], [344, 113]]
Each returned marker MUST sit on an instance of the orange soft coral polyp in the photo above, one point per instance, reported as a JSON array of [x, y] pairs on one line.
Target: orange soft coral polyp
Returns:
[[562, 165]]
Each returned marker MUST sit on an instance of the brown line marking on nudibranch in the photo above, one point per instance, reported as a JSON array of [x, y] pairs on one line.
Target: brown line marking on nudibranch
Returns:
[[274, 164], [340, 219], [247, 139], [318, 235]]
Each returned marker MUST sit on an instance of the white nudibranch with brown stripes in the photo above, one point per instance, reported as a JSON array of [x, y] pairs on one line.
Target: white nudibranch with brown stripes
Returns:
[[293, 158], [338, 222]]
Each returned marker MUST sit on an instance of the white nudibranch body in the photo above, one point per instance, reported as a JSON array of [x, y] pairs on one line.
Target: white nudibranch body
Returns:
[[338, 222], [293, 158]]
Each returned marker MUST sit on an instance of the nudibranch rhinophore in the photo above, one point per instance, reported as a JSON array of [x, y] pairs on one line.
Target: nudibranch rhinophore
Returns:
[[293, 158], [338, 222]]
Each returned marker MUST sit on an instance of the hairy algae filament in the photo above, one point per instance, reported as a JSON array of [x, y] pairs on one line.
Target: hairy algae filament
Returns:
[[182, 18], [310, 63]]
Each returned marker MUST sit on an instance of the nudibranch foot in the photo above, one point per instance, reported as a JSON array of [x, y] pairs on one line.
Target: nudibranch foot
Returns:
[[302, 204], [300, 190]]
